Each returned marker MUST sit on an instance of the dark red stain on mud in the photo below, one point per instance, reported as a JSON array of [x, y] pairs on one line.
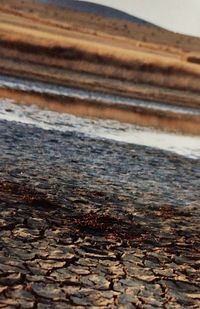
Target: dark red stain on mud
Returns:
[[92, 223], [109, 226], [28, 195]]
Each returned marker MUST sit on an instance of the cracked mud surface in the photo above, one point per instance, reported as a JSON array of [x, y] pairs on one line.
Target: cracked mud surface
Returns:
[[95, 223]]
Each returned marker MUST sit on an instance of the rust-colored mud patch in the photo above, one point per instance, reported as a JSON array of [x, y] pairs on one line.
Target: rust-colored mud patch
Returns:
[[25, 194], [108, 226], [82, 225]]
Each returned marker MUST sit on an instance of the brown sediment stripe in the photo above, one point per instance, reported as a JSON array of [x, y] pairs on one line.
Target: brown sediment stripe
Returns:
[[133, 68], [90, 81]]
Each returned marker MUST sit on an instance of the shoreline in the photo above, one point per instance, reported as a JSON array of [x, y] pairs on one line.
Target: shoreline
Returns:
[[104, 106], [58, 120]]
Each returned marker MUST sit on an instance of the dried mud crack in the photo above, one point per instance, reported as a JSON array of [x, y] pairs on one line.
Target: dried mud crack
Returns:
[[94, 223]]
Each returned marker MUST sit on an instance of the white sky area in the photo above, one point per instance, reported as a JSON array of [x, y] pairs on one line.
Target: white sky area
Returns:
[[177, 15]]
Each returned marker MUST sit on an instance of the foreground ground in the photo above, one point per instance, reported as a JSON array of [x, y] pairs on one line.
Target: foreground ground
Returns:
[[87, 222]]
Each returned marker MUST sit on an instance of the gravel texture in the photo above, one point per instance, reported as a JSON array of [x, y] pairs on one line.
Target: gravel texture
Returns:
[[88, 223]]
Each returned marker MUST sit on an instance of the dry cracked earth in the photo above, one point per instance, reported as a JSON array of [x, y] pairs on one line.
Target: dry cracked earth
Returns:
[[88, 223]]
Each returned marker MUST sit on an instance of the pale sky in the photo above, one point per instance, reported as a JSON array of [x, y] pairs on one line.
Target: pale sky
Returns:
[[177, 15]]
